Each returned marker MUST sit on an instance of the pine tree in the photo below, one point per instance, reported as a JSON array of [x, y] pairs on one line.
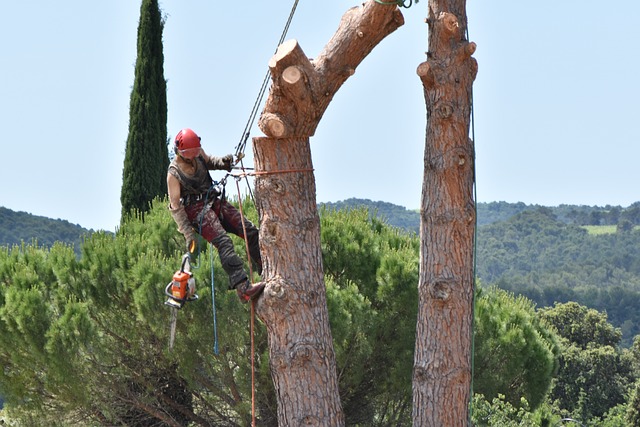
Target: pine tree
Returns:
[[146, 158], [442, 364]]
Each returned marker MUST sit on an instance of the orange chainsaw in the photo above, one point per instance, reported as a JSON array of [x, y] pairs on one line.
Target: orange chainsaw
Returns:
[[182, 288]]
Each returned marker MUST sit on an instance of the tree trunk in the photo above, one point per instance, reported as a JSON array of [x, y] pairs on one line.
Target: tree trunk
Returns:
[[442, 359], [294, 307]]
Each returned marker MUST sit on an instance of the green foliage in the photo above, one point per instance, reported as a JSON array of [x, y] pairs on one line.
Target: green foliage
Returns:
[[536, 255], [146, 157], [493, 212], [595, 230], [86, 339], [546, 254], [632, 414], [83, 340], [371, 271], [615, 417], [516, 355], [488, 213], [594, 373], [92, 331], [581, 325], [498, 412], [394, 215]]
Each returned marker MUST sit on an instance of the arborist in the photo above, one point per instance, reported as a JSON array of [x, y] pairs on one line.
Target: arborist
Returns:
[[195, 204]]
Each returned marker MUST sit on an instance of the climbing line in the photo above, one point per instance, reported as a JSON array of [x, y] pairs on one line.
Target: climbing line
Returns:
[[272, 172], [242, 144], [253, 367], [253, 315], [263, 88], [475, 247], [214, 185], [213, 304]]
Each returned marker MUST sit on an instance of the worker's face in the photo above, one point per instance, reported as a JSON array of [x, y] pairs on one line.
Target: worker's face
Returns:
[[189, 153]]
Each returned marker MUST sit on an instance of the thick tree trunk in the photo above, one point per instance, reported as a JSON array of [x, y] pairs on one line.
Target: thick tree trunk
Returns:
[[294, 307], [442, 360]]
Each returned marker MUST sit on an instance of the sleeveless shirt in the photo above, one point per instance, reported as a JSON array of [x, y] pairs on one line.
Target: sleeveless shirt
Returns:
[[192, 185]]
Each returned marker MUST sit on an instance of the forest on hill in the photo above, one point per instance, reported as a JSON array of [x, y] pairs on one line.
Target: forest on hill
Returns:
[[22, 227], [551, 254], [488, 213]]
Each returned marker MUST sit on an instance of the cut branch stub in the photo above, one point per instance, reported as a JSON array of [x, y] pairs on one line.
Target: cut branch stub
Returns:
[[446, 34], [302, 89], [291, 95], [426, 74], [449, 56], [274, 125]]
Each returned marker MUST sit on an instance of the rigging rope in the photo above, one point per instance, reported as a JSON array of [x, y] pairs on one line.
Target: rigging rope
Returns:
[[401, 3], [253, 315], [263, 88], [240, 148], [213, 304], [475, 245], [214, 185]]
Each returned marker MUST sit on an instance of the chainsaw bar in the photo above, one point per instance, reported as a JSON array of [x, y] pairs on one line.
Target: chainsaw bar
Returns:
[[172, 327]]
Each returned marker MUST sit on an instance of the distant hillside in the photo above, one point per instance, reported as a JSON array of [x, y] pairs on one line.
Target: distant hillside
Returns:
[[18, 227], [489, 213], [401, 217], [395, 215], [535, 254]]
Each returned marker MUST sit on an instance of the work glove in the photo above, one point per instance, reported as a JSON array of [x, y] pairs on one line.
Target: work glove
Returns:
[[191, 244], [184, 226], [228, 162], [220, 163]]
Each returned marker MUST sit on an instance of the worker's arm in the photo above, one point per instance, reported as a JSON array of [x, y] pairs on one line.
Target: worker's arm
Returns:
[[220, 163], [178, 213], [173, 187]]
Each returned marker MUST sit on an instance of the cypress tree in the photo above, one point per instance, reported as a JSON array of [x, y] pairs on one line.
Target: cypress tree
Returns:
[[146, 158]]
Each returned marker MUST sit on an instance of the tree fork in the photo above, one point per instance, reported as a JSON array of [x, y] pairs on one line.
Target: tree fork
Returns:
[[294, 307], [442, 359], [303, 93]]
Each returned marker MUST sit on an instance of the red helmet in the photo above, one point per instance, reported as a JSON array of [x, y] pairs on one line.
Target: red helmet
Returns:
[[187, 143]]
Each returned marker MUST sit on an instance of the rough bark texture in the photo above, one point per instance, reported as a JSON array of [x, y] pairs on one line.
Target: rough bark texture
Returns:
[[293, 306], [303, 88], [442, 361]]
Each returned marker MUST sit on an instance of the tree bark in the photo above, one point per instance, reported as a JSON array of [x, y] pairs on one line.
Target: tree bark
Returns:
[[294, 307], [442, 359], [303, 88]]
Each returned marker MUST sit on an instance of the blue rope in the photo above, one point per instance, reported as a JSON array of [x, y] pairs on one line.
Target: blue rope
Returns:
[[213, 304], [214, 184]]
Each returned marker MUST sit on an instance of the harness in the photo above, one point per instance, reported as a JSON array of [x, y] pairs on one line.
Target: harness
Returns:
[[191, 199], [199, 187]]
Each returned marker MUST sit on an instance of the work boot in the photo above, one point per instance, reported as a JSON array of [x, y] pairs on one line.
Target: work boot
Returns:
[[247, 291]]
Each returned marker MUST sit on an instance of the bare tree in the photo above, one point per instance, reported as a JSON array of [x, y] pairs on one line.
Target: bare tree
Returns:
[[294, 307], [442, 358]]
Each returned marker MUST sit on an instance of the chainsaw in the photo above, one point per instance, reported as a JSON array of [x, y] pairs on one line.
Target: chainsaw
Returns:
[[179, 291], [182, 288]]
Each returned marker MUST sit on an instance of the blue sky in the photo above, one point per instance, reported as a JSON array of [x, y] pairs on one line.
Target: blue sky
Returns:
[[557, 99]]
